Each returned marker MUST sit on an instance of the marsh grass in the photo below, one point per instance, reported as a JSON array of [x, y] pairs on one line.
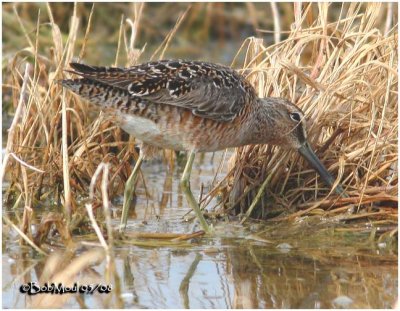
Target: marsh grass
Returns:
[[342, 73]]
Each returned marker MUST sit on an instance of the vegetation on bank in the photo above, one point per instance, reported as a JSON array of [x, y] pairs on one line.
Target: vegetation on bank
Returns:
[[340, 67]]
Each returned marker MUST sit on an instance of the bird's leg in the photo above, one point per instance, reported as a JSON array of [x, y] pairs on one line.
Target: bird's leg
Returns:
[[185, 184], [129, 190]]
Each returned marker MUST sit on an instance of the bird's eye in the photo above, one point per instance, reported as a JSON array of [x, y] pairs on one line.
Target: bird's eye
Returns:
[[295, 116]]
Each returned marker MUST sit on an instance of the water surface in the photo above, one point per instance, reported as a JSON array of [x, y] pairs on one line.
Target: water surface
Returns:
[[308, 263]]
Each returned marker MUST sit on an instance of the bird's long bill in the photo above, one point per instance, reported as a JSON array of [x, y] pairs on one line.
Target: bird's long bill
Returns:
[[306, 151]]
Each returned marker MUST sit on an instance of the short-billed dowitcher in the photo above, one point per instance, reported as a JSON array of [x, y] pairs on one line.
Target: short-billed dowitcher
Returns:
[[192, 106]]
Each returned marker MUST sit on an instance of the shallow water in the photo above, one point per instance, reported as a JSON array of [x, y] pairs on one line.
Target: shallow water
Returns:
[[309, 263]]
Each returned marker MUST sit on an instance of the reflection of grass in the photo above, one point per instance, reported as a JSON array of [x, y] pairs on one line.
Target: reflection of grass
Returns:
[[341, 73], [318, 235], [322, 264]]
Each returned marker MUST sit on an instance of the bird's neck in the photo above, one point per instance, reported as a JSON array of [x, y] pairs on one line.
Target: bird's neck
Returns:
[[259, 125]]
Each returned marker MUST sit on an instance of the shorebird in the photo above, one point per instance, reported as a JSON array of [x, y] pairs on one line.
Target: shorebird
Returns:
[[191, 106]]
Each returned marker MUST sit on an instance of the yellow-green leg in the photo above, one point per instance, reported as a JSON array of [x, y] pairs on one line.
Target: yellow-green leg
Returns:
[[129, 190], [185, 184]]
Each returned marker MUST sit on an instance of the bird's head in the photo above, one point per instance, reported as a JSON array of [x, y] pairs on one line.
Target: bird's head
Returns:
[[287, 128]]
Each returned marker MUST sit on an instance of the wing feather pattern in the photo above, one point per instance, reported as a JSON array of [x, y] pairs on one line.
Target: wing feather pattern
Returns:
[[209, 90]]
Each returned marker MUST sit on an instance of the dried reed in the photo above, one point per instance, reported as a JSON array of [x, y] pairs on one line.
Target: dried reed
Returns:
[[343, 75]]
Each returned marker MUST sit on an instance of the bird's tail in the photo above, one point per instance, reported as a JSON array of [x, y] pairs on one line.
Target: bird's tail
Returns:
[[96, 72], [101, 94]]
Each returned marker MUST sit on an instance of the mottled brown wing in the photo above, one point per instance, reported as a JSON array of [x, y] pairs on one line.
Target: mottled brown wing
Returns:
[[208, 90]]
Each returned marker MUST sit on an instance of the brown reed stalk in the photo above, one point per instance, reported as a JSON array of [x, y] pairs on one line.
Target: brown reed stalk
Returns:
[[343, 75]]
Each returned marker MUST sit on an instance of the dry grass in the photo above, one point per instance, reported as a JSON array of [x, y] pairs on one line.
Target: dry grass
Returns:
[[343, 75], [56, 133]]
